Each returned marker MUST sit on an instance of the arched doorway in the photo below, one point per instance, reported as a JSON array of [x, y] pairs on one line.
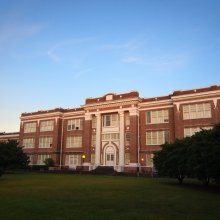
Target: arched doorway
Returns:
[[110, 156]]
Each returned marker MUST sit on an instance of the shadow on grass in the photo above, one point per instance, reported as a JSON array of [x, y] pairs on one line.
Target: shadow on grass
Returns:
[[193, 185]]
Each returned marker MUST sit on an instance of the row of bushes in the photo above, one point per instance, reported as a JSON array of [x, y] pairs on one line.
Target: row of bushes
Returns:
[[196, 156]]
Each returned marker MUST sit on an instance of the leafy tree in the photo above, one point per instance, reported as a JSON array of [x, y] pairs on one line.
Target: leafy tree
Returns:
[[172, 160], [49, 162], [12, 156], [196, 156]]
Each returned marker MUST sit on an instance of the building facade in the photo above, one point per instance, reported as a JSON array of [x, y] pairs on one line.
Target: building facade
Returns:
[[119, 130]]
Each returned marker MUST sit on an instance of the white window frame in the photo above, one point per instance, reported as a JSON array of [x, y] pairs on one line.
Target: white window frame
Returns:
[[75, 124], [189, 131], [197, 110], [41, 158], [149, 160], [45, 142], [110, 136], [74, 141], [157, 116], [47, 125], [110, 120], [73, 160], [28, 142], [157, 137], [30, 127]]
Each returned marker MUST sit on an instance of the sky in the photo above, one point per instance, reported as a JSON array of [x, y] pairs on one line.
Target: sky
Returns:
[[57, 53]]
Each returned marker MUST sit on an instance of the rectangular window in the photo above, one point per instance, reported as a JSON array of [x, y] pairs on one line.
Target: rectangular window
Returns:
[[31, 159], [41, 158], [45, 142], [73, 160], [94, 122], [188, 132], [149, 160], [74, 141], [127, 138], [47, 125], [93, 140], [75, 124], [110, 120], [194, 111], [127, 119], [127, 158], [110, 136], [30, 127], [157, 137], [92, 158], [28, 142], [157, 117]]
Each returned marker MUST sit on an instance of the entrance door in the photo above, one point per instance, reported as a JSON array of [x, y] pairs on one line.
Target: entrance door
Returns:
[[110, 156]]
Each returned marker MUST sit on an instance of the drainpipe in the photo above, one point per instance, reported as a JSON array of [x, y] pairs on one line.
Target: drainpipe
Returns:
[[61, 146], [138, 144]]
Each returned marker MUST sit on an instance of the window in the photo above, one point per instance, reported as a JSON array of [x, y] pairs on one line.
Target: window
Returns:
[[45, 142], [31, 159], [28, 142], [127, 138], [157, 137], [149, 160], [110, 120], [74, 141], [188, 132], [73, 160], [193, 111], [75, 124], [127, 119], [41, 158], [127, 158], [158, 116], [92, 158], [47, 125], [110, 136], [93, 140], [30, 127], [94, 122]]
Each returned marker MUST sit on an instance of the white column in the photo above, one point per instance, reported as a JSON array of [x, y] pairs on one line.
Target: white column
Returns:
[[98, 139], [122, 142]]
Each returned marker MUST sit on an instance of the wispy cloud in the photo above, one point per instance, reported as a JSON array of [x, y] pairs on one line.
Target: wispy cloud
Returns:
[[14, 32], [80, 73], [125, 45], [132, 59], [53, 53], [160, 62]]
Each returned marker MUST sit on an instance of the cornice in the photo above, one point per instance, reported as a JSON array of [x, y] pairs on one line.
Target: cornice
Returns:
[[112, 103]]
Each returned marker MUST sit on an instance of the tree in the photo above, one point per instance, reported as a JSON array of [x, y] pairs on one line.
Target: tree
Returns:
[[196, 156], [12, 156], [172, 160], [49, 162]]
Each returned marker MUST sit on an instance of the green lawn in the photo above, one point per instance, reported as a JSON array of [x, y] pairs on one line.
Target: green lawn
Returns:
[[65, 196]]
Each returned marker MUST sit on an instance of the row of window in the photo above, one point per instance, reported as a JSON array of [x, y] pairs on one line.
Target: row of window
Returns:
[[111, 120], [190, 111], [75, 159], [152, 138]]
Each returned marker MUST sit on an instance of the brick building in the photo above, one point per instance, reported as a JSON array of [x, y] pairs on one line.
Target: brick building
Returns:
[[119, 130]]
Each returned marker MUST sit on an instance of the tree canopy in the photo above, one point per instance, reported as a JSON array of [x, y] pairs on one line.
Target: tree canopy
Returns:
[[195, 156], [12, 156]]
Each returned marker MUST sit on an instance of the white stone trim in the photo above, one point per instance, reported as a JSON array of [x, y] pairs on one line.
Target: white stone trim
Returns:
[[88, 116], [133, 112], [155, 108], [98, 139], [195, 95]]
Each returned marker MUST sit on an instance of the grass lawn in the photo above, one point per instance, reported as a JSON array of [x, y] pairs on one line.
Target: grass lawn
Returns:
[[64, 196]]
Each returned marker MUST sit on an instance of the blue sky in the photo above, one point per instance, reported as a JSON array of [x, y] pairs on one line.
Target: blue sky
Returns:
[[57, 53]]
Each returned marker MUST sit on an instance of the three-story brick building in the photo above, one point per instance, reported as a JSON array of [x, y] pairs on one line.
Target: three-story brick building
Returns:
[[119, 130]]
